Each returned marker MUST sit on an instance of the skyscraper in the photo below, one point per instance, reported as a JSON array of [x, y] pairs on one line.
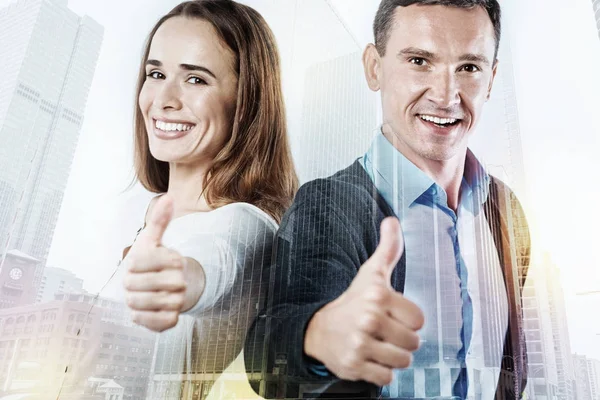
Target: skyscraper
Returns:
[[560, 332], [596, 4], [49, 57], [587, 377], [339, 116], [551, 365]]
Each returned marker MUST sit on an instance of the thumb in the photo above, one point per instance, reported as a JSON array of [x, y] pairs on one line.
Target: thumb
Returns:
[[390, 248], [158, 219]]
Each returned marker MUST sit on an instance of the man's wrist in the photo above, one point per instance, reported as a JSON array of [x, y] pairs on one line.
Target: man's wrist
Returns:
[[311, 338]]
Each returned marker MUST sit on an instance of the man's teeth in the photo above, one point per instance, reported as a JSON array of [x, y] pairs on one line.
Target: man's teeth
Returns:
[[436, 120], [164, 126]]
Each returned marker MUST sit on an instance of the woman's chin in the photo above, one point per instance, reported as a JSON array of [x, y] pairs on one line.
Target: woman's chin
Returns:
[[166, 156]]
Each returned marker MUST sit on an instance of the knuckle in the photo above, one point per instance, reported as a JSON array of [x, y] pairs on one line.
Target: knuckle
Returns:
[[171, 320], [351, 360], [405, 360], [178, 302], [130, 301], [376, 296], [127, 282], [419, 319], [385, 378], [413, 342], [346, 363], [175, 255], [347, 374], [369, 323], [131, 260]]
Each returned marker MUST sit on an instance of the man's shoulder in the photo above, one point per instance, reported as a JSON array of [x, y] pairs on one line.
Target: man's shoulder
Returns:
[[351, 182], [501, 192]]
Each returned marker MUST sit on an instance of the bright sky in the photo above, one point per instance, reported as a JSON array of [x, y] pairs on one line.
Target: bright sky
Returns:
[[557, 72]]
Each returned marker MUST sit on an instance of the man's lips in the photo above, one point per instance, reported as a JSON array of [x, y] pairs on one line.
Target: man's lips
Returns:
[[447, 127], [441, 121]]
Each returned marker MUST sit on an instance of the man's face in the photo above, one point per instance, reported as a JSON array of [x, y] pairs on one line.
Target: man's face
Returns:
[[436, 75]]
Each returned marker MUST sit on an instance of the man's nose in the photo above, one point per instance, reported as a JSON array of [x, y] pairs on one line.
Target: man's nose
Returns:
[[443, 90]]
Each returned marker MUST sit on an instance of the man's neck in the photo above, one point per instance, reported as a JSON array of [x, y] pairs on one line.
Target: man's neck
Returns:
[[448, 174]]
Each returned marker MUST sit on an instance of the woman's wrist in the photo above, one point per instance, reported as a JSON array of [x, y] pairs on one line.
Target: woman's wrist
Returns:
[[196, 281]]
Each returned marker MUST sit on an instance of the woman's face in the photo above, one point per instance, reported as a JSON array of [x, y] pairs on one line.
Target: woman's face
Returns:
[[189, 97]]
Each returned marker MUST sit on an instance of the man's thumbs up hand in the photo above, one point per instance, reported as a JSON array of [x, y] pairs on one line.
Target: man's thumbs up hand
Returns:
[[370, 329], [154, 280], [383, 262]]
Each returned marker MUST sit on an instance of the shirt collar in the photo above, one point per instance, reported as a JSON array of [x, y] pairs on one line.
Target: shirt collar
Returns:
[[387, 167], [398, 180], [476, 177]]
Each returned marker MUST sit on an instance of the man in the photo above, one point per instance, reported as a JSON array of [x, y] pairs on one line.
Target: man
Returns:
[[428, 307]]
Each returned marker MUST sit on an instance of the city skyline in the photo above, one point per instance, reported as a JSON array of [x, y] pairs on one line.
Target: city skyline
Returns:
[[98, 218]]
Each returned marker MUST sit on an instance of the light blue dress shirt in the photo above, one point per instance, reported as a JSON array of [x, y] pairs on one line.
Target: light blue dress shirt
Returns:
[[452, 274]]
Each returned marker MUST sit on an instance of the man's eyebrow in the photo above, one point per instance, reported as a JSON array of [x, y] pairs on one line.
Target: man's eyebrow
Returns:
[[187, 67], [478, 58], [416, 52]]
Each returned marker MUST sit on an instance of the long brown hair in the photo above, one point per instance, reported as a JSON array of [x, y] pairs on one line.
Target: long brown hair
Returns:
[[255, 165]]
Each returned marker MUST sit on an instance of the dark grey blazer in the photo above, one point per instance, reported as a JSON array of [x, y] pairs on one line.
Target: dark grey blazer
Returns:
[[331, 229]]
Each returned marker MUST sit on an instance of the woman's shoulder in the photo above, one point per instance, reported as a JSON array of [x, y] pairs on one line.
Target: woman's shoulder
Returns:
[[231, 217], [247, 212]]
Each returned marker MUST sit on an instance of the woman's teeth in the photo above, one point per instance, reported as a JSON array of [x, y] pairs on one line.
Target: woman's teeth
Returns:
[[169, 127]]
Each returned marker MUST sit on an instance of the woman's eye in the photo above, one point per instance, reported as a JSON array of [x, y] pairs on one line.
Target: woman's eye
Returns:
[[155, 75], [196, 81]]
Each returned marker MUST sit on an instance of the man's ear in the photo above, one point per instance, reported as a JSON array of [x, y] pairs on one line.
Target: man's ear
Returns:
[[494, 70], [372, 66]]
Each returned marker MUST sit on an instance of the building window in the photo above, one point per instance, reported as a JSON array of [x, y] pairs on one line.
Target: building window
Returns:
[[432, 382]]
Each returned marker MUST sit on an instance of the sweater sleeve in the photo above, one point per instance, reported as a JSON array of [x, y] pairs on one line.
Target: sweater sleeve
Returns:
[[317, 255], [232, 261], [211, 334]]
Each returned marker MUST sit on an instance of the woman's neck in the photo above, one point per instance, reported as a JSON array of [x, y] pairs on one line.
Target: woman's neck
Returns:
[[186, 184]]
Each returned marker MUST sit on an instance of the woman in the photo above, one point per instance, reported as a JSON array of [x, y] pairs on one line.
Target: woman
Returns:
[[210, 132]]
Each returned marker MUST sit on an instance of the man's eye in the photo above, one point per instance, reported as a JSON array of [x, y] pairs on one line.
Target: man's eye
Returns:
[[155, 75], [196, 81], [470, 68], [417, 61]]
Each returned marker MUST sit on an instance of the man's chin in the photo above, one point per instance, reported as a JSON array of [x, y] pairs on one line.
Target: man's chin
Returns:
[[438, 152]]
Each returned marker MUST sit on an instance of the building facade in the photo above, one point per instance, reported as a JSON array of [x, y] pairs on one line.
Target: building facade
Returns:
[[49, 58], [587, 377], [57, 280], [17, 279], [339, 117], [59, 345]]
